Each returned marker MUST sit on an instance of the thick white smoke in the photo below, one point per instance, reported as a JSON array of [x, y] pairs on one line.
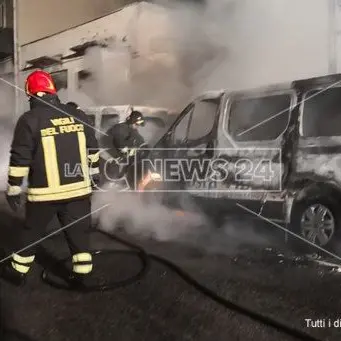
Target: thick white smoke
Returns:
[[76, 96], [144, 216], [147, 217], [166, 52], [171, 54]]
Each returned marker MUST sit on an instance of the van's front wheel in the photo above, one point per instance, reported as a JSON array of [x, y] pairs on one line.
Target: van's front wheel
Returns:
[[316, 222]]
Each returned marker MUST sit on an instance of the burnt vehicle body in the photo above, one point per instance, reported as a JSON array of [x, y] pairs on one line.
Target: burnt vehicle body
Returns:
[[282, 145]]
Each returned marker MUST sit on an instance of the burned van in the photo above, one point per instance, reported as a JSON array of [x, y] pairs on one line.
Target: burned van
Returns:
[[274, 152]]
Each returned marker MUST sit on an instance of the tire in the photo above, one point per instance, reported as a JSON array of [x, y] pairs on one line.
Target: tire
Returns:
[[315, 221]]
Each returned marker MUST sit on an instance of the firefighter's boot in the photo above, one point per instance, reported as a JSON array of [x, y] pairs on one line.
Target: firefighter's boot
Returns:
[[82, 268], [14, 277], [15, 271]]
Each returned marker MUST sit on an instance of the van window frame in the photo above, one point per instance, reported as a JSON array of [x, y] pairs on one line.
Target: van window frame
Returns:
[[301, 111], [188, 110], [217, 99], [252, 95]]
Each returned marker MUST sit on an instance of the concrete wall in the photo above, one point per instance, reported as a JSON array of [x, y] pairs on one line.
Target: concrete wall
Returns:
[[115, 25], [41, 18]]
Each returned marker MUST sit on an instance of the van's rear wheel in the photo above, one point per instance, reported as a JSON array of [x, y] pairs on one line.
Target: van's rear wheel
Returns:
[[316, 222]]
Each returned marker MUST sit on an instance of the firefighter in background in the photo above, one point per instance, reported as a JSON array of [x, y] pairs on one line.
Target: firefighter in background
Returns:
[[125, 136], [127, 141], [132, 148], [55, 147]]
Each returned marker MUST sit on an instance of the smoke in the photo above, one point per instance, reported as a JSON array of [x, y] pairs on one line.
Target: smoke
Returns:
[[144, 216], [160, 59], [78, 97], [173, 51]]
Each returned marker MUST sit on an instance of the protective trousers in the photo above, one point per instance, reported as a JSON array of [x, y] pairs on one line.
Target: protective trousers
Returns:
[[74, 216]]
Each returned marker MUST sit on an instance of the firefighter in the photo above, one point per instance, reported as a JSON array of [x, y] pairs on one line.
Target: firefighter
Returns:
[[55, 147], [125, 136], [127, 141]]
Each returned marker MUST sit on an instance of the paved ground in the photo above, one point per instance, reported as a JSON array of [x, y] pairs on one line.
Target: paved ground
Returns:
[[262, 275]]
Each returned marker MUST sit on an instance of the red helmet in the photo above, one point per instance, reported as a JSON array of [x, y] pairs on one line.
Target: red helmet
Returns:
[[39, 81]]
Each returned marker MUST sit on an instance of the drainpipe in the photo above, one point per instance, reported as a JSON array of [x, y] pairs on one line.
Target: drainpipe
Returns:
[[16, 58], [4, 14], [332, 63]]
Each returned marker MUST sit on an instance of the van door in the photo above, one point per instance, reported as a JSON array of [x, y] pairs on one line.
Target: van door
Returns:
[[190, 143], [319, 144], [252, 134]]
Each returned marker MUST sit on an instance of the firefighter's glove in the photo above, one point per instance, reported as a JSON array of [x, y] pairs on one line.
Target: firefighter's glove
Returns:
[[13, 197], [124, 150], [132, 152], [128, 151]]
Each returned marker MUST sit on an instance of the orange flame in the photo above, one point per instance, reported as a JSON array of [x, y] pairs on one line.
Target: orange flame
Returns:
[[149, 178]]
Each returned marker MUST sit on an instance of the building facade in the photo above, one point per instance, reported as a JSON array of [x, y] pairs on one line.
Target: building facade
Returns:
[[40, 19], [23, 24], [105, 61]]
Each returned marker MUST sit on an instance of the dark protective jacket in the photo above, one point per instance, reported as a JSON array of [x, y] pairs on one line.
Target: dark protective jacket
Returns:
[[55, 146], [125, 138]]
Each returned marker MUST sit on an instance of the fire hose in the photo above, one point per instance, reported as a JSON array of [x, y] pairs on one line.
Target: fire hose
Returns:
[[145, 260]]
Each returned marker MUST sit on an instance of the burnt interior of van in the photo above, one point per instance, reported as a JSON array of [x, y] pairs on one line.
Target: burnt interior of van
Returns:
[[321, 115], [259, 118], [191, 127]]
